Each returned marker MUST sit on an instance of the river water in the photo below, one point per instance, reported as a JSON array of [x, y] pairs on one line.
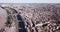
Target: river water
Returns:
[[3, 12], [3, 17]]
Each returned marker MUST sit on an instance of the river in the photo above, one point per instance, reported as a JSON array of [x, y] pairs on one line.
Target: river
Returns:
[[3, 17]]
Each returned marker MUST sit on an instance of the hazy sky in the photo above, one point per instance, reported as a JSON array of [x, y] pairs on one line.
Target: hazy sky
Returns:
[[29, 1]]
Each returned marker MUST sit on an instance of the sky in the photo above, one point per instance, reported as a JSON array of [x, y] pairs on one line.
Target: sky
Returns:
[[29, 1]]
